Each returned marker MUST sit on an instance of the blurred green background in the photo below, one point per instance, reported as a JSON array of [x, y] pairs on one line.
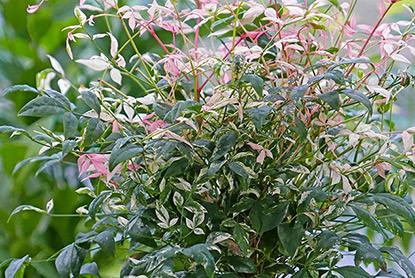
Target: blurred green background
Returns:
[[25, 39]]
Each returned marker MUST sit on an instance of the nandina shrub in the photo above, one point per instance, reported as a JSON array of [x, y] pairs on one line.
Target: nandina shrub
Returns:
[[258, 142]]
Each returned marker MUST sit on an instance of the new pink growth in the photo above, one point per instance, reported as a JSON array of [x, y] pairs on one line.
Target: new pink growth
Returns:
[[33, 8]]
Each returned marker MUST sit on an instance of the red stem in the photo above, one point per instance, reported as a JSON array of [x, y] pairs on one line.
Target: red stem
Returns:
[[370, 36]]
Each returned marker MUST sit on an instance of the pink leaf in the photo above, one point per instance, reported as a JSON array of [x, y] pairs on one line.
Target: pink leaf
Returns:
[[407, 140], [261, 157], [381, 7], [83, 164]]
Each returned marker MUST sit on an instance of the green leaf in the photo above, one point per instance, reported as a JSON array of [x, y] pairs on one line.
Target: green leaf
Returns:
[[327, 239], [400, 259], [97, 202], [300, 128], [298, 93], [359, 96], [70, 124], [352, 272], [224, 145], [266, 214], [259, 115], [68, 146], [241, 169], [19, 88], [391, 222], [290, 236], [201, 255], [332, 98], [6, 129], [177, 109], [245, 203], [255, 81], [139, 232], [90, 268], [335, 75], [26, 207], [106, 241], [42, 106], [178, 167], [62, 99], [15, 266], [94, 131], [309, 194], [364, 249], [301, 274], [242, 264], [336, 4], [91, 100], [396, 205], [70, 261], [161, 109], [348, 62], [122, 153], [369, 220], [214, 167], [29, 160]]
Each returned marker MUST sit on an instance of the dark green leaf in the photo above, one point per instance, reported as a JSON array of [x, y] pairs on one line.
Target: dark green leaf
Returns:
[[70, 261], [300, 128], [6, 128], [369, 220], [348, 62], [366, 252], [400, 259], [290, 236], [335, 75], [140, 232], [241, 239], [106, 241], [352, 272], [68, 146], [259, 115], [122, 153], [242, 264], [19, 88], [91, 100], [15, 266], [308, 195], [266, 214], [177, 109], [62, 99], [245, 203], [396, 205], [214, 167], [97, 203], [29, 160], [332, 98], [224, 145], [161, 109], [241, 169], [359, 96], [201, 255], [391, 222], [42, 106], [90, 268], [327, 239], [301, 274], [255, 81], [298, 93], [46, 164], [178, 167], [70, 124], [26, 207], [94, 131]]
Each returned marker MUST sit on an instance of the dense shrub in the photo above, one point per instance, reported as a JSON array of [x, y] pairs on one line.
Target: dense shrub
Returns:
[[256, 140]]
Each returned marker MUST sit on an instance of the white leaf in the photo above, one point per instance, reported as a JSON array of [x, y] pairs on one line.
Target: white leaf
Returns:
[[81, 36], [199, 231], [82, 210], [407, 140], [49, 206], [114, 45], [189, 224], [98, 36], [400, 58], [147, 100], [94, 63], [129, 111], [198, 218], [116, 76], [252, 14], [173, 222], [64, 85], [56, 66], [80, 16], [178, 199]]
